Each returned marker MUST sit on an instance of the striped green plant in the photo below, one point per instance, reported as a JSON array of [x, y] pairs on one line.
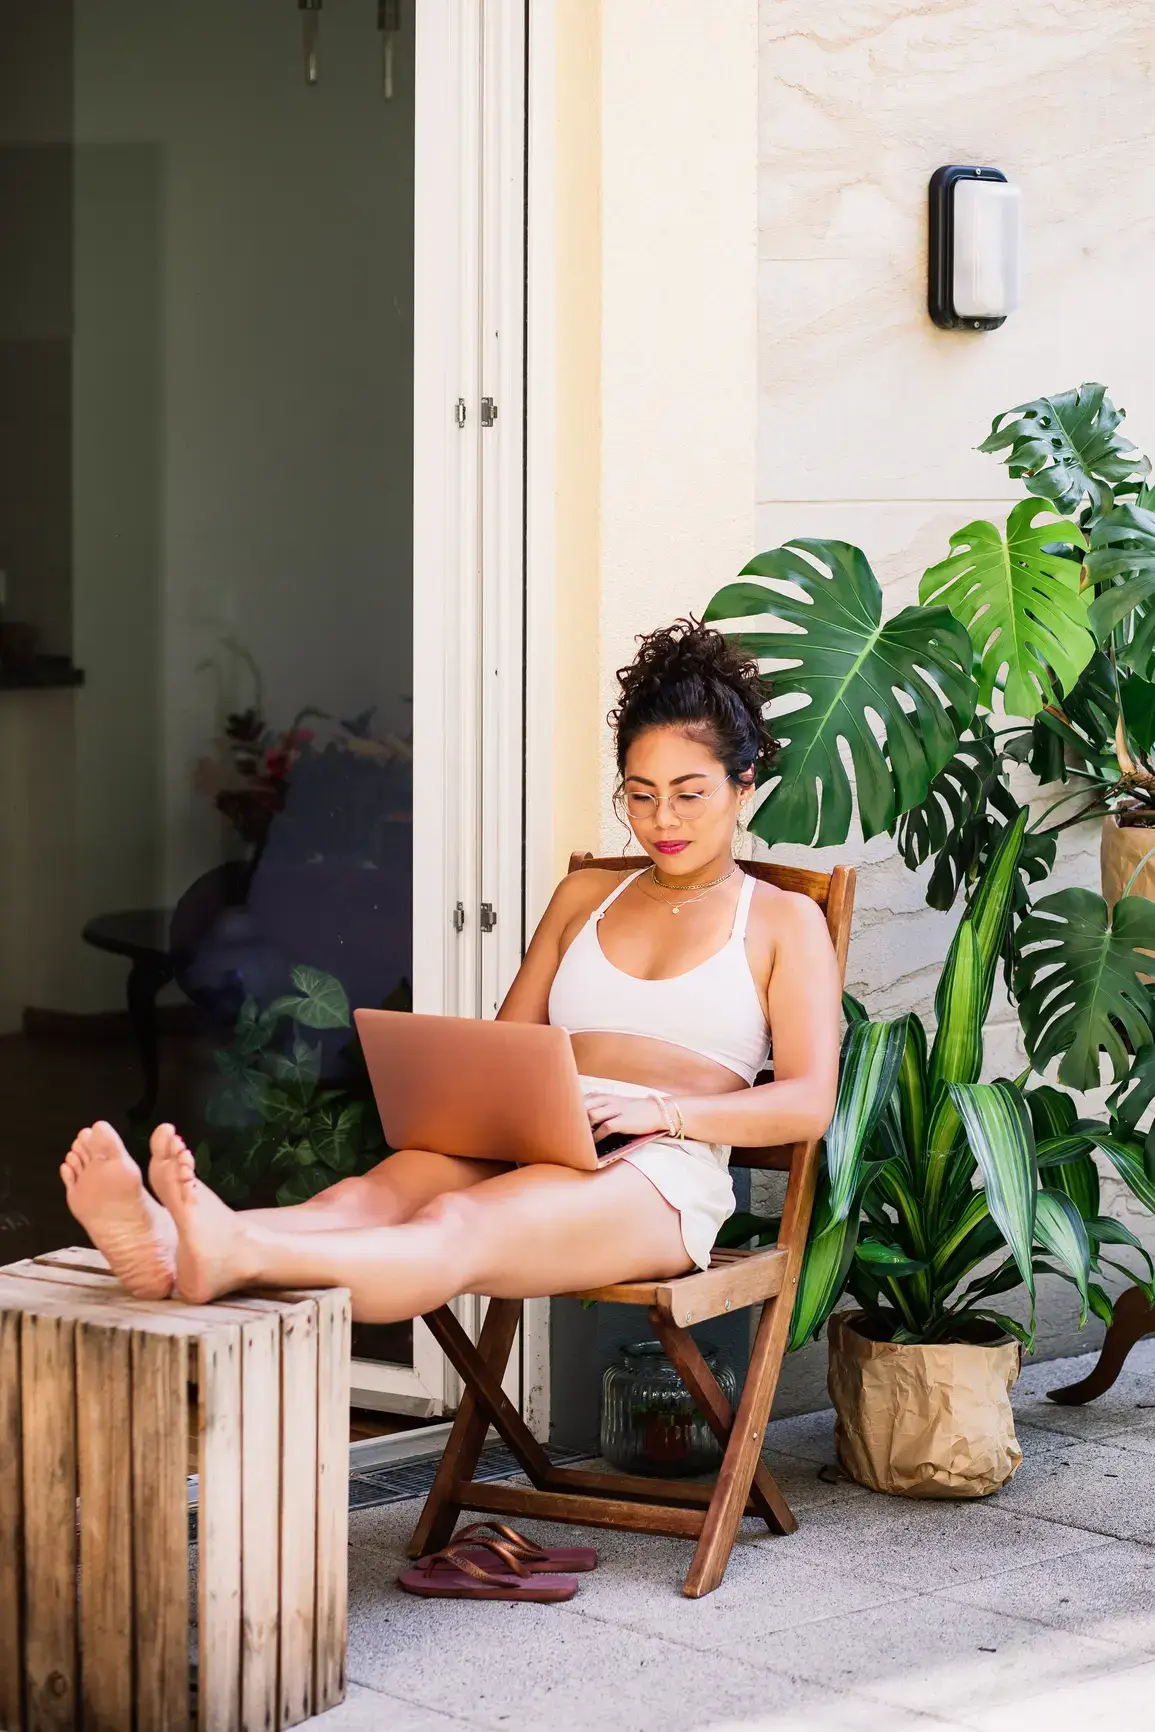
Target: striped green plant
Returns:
[[939, 1192]]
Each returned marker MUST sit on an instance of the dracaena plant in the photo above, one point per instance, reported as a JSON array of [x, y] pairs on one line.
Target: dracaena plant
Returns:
[[939, 1192]]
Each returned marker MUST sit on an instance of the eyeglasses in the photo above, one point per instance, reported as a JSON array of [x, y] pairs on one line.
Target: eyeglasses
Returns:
[[684, 806]]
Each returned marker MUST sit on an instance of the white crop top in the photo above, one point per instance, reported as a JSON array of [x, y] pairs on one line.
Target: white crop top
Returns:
[[713, 1009]]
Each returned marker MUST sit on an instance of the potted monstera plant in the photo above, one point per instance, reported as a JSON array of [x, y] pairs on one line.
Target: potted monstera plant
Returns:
[[939, 1194]]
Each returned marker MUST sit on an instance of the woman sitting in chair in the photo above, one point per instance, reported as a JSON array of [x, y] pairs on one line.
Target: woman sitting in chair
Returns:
[[672, 981]]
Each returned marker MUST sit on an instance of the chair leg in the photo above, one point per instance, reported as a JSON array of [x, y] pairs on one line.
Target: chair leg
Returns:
[[685, 1356], [743, 1453], [467, 1438], [1134, 1318]]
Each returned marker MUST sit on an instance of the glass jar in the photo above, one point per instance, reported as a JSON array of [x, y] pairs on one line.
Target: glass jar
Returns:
[[650, 1423]]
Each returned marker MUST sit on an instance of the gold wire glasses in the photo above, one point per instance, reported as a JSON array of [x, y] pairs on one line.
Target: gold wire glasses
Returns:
[[687, 807]]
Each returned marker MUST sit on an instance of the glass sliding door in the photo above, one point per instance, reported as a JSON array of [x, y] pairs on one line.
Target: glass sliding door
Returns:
[[206, 661]]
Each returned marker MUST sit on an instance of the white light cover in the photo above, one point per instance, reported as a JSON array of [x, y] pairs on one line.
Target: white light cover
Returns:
[[986, 249]]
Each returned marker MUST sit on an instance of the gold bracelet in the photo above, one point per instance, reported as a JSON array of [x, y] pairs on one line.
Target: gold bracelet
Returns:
[[665, 1107], [681, 1132]]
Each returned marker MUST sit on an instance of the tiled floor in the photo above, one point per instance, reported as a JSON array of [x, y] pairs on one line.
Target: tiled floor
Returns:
[[1033, 1609]]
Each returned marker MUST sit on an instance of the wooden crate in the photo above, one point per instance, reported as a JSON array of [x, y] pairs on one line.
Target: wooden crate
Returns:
[[106, 1405]]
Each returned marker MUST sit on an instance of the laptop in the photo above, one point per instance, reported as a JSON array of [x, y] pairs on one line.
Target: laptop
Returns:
[[490, 1091]]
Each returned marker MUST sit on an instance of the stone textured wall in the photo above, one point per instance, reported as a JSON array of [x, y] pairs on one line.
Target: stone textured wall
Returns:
[[868, 413]]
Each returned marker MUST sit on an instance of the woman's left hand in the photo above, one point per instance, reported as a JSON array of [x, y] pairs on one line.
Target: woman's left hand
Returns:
[[624, 1115]]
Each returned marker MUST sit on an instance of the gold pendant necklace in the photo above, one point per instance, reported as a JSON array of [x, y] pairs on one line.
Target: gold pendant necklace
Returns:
[[701, 889]]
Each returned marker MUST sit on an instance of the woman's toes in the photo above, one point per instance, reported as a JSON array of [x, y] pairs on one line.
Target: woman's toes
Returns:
[[67, 1174]]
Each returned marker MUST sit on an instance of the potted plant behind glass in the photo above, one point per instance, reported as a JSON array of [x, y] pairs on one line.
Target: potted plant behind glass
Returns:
[[938, 1194]]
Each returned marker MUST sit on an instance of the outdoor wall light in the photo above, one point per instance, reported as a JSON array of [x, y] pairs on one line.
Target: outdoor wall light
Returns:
[[974, 248]]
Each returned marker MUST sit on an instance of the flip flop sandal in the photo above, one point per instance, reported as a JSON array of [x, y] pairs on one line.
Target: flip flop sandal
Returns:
[[573, 1560], [452, 1575]]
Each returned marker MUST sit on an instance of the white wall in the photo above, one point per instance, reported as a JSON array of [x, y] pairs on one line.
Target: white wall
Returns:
[[868, 414], [678, 379]]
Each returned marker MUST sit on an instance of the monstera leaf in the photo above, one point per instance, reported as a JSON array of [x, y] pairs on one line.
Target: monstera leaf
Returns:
[[848, 664], [1122, 560], [1067, 447], [1078, 983], [1020, 600]]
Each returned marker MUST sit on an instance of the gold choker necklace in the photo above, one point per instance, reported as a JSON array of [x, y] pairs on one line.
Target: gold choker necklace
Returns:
[[694, 892]]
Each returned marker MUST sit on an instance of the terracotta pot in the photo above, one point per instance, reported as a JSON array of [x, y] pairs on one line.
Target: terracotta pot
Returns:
[[1120, 851], [923, 1421]]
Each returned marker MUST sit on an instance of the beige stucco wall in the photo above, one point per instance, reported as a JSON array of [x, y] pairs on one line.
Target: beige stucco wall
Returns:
[[866, 415]]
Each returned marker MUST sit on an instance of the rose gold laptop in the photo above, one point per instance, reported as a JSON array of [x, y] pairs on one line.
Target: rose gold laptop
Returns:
[[491, 1091]]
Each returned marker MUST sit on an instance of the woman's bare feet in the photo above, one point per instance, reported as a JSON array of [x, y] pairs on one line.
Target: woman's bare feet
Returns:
[[214, 1248], [107, 1196]]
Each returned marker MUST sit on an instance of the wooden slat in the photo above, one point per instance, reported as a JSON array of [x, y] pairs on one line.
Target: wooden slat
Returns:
[[261, 1522], [219, 1531], [48, 1396], [694, 1298], [635, 1488], [334, 1331], [11, 1528], [689, 1362], [552, 1506], [298, 1510], [467, 1437], [799, 879], [160, 1366], [104, 1417], [478, 1376]]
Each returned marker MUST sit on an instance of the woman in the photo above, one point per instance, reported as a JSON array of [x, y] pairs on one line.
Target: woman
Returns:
[[670, 979]]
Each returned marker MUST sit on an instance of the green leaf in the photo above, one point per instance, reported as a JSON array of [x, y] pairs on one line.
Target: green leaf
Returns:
[[742, 1228], [303, 1185], [1009, 1326], [888, 1259], [871, 1055], [1101, 1305], [1019, 599], [1067, 447], [1127, 1160], [829, 1253], [1059, 1229], [1121, 564], [322, 1003], [998, 1129], [1079, 1180], [957, 1052], [913, 1092], [847, 665], [1052, 1112], [1078, 983], [1131, 1098], [1102, 1230], [1137, 701]]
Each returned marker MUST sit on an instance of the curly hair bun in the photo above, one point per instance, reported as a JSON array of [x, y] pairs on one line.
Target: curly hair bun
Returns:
[[688, 676]]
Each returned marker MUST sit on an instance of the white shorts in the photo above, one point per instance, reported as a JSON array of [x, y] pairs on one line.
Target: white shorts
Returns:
[[693, 1177]]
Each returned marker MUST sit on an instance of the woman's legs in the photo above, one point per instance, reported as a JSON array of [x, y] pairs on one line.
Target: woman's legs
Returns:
[[527, 1233], [107, 1196]]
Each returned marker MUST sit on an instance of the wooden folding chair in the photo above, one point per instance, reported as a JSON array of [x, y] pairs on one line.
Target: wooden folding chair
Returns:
[[735, 1279]]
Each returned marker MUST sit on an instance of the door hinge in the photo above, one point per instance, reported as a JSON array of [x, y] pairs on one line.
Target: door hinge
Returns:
[[488, 916], [459, 917], [459, 412], [488, 411]]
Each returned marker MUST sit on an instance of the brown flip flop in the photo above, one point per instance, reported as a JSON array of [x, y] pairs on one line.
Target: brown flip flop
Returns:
[[452, 1575], [538, 1560]]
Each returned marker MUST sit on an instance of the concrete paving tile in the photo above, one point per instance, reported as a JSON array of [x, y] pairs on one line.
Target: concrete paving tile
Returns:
[[938, 1656], [1107, 1592], [810, 1435], [369, 1711], [917, 1545], [1119, 1702], [1130, 1401], [769, 1586], [1098, 1487], [840, 1714], [542, 1668]]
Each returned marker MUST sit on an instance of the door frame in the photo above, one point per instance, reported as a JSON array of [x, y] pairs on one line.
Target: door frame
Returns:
[[482, 522]]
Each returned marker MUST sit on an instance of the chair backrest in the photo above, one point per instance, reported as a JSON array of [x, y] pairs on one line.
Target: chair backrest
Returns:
[[834, 894]]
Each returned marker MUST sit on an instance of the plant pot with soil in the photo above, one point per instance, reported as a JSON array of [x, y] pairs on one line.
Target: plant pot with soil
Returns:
[[919, 1419]]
